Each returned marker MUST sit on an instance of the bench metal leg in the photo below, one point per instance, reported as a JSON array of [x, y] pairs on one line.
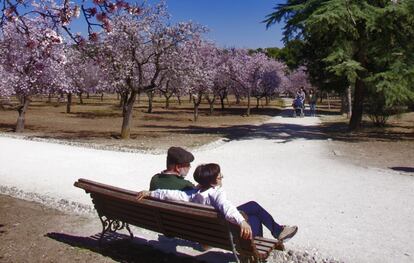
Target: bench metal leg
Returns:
[[112, 226], [130, 232], [233, 246], [105, 227]]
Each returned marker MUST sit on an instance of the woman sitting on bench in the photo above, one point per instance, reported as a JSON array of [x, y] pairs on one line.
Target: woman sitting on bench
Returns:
[[209, 192]]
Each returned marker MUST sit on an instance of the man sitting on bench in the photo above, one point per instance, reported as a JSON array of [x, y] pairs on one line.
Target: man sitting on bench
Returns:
[[178, 166]]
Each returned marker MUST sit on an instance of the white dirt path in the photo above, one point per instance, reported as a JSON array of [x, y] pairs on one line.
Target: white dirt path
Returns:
[[355, 214]]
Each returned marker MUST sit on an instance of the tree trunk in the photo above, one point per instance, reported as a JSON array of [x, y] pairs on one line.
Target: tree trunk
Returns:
[[197, 102], [358, 106], [49, 98], [150, 95], [349, 101], [195, 112], [179, 100], [167, 102], [237, 100], [22, 113], [344, 106], [248, 104], [127, 111], [121, 100], [124, 99], [267, 100], [257, 103], [191, 97], [102, 95], [222, 103], [211, 103], [80, 98], [87, 95], [328, 99], [167, 99], [69, 103]]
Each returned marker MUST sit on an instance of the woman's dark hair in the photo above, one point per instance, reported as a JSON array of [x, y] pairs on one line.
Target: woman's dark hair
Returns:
[[206, 174]]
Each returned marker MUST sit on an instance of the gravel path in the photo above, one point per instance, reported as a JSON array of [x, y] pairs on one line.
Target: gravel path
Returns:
[[344, 212]]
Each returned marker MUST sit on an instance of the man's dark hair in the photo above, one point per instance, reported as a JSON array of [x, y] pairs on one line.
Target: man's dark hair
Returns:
[[206, 174]]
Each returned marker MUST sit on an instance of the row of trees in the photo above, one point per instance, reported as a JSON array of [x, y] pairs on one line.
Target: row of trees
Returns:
[[137, 52], [360, 45]]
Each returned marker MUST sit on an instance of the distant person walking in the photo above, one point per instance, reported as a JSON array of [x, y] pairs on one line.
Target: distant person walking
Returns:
[[299, 103], [302, 94], [312, 102]]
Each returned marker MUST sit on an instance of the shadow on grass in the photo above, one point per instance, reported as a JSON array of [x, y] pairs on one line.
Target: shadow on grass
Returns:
[[403, 169], [121, 248], [272, 131], [7, 127], [95, 115]]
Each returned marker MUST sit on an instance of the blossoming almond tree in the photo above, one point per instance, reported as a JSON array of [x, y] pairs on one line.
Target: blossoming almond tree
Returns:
[[202, 58], [270, 80], [83, 74], [35, 60], [137, 51], [61, 13], [222, 81], [297, 79], [246, 71]]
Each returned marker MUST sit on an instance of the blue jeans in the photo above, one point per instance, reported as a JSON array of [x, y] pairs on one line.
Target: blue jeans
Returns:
[[258, 216], [312, 107]]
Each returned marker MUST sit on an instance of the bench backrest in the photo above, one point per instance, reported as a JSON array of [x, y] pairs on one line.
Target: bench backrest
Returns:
[[195, 222]]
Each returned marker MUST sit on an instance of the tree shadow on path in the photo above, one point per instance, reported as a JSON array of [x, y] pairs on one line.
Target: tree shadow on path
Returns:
[[286, 132], [282, 132]]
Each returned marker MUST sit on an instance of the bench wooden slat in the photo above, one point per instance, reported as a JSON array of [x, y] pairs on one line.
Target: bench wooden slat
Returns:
[[129, 214], [203, 239], [105, 186], [105, 203], [216, 223], [264, 244], [202, 228], [278, 245], [129, 198], [199, 231], [136, 222], [85, 182]]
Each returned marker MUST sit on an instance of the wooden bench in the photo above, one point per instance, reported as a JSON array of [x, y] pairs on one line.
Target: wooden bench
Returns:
[[118, 208]]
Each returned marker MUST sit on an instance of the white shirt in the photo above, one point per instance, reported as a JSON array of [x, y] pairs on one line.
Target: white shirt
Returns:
[[214, 196]]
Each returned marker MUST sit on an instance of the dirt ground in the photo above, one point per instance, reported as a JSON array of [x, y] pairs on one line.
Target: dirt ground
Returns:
[[391, 147], [30, 232], [99, 122]]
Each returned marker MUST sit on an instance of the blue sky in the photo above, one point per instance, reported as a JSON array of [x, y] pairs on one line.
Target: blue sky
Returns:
[[232, 23]]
